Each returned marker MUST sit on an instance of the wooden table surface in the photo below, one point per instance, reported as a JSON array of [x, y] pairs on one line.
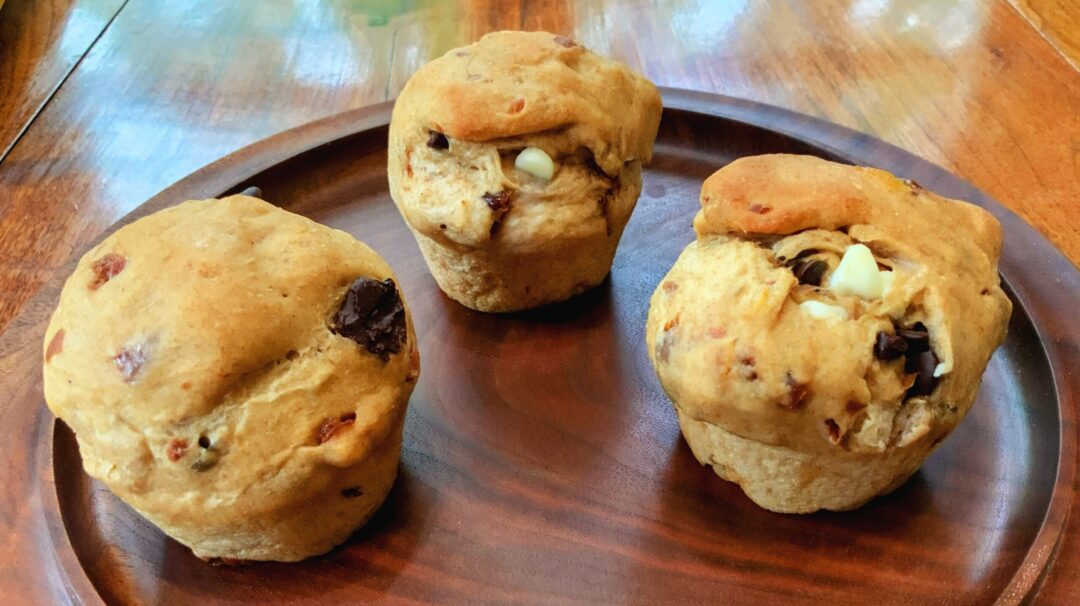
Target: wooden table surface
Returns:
[[103, 103], [106, 102]]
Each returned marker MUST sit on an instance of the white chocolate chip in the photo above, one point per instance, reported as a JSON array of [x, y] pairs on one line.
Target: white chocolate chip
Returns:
[[857, 274], [823, 310], [887, 279], [534, 161], [940, 369]]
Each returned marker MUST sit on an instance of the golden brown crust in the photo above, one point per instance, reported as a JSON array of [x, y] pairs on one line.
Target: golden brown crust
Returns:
[[777, 194], [510, 84], [783, 194]]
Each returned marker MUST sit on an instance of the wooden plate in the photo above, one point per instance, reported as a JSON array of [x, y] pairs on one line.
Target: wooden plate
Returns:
[[542, 461]]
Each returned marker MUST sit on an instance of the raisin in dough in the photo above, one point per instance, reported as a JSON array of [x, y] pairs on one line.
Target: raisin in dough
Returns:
[[495, 237], [236, 373], [806, 395]]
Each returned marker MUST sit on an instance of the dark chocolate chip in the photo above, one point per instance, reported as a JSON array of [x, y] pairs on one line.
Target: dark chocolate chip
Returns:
[[129, 361], [106, 268], [372, 315], [889, 346], [805, 253], [204, 442], [437, 140], [352, 492], [810, 272], [499, 202], [917, 337], [923, 366]]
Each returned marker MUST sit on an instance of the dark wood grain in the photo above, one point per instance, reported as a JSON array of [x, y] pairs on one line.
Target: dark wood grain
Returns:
[[172, 86], [41, 41], [542, 462]]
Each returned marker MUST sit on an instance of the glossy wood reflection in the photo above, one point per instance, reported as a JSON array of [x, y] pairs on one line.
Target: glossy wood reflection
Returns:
[[1058, 20], [171, 86], [542, 462], [41, 41]]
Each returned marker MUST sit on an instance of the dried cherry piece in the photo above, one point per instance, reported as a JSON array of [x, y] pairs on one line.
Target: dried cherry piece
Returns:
[[177, 448], [796, 395], [330, 427], [56, 345], [499, 202], [105, 269]]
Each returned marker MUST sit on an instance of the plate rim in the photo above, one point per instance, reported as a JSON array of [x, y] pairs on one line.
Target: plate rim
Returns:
[[230, 171]]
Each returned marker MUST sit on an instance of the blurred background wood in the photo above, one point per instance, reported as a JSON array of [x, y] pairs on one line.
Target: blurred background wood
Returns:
[[40, 43], [134, 95], [1058, 21]]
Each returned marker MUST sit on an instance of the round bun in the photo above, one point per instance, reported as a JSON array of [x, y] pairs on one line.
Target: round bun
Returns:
[[806, 395], [237, 374], [496, 237]]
